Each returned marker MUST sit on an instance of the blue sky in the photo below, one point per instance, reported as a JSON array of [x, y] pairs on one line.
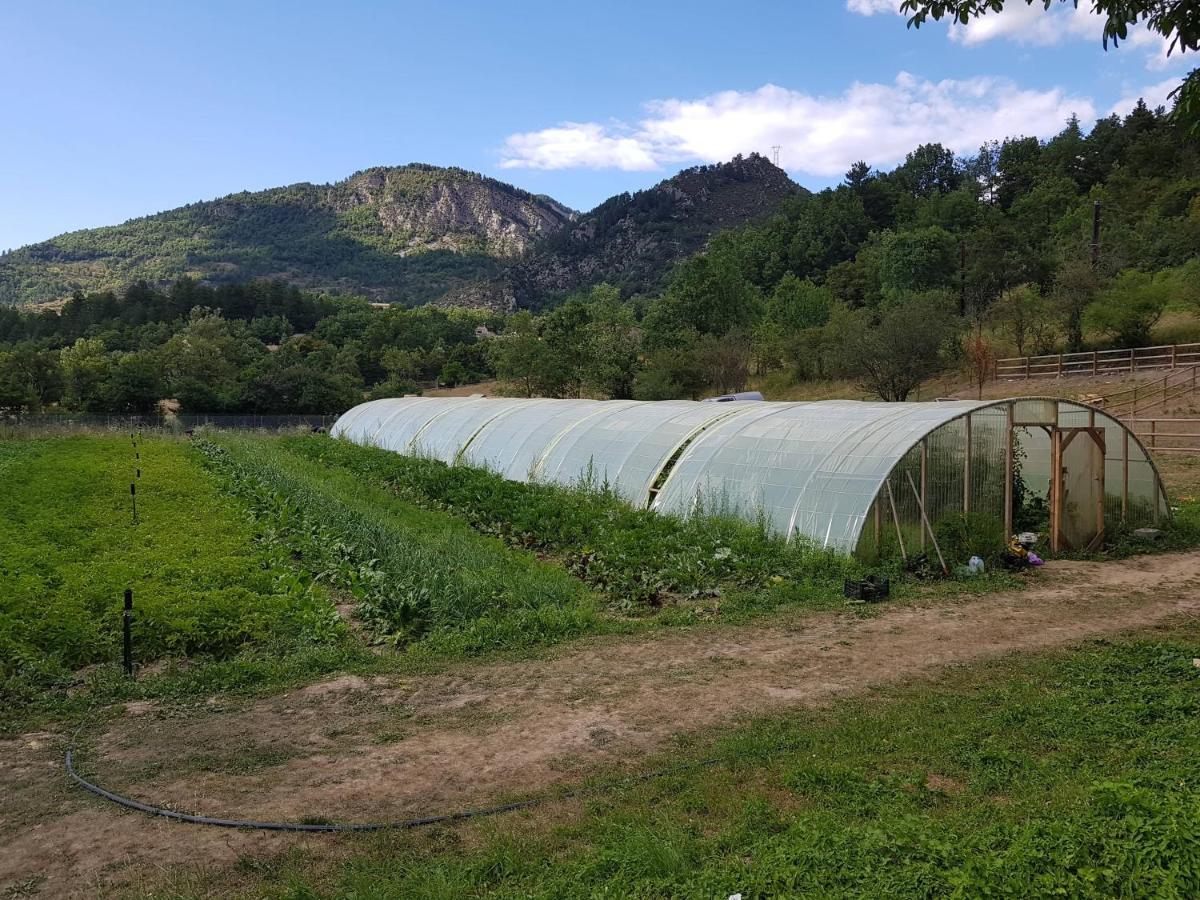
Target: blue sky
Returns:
[[121, 109]]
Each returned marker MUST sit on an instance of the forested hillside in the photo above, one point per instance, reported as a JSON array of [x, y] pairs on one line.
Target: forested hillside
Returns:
[[408, 235], [883, 277], [888, 278], [405, 234]]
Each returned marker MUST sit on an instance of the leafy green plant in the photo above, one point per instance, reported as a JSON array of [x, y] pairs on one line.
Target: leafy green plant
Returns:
[[416, 575], [637, 557]]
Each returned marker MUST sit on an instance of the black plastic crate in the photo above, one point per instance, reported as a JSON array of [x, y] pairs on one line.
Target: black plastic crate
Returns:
[[870, 590]]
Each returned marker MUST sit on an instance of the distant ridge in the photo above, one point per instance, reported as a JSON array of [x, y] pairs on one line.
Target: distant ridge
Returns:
[[407, 234]]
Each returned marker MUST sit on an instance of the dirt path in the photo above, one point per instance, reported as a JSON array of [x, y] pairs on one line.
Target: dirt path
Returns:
[[388, 748]]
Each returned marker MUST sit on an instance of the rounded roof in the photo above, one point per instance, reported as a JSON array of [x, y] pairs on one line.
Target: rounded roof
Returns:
[[810, 468]]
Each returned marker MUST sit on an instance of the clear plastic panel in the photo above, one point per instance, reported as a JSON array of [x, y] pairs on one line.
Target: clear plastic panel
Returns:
[[512, 444], [361, 424], [445, 436], [812, 469], [625, 447], [397, 430]]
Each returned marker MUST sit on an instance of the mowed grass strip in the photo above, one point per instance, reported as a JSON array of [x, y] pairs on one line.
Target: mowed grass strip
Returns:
[[68, 551], [638, 558], [1073, 774], [418, 576]]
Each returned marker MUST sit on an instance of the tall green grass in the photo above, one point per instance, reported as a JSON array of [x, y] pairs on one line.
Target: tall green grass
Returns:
[[637, 557], [68, 550], [417, 576]]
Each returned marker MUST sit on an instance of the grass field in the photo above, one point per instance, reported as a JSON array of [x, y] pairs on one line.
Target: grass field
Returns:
[[263, 568], [68, 550]]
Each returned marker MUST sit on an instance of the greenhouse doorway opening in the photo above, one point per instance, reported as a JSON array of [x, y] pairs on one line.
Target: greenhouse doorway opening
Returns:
[[1076, 488]]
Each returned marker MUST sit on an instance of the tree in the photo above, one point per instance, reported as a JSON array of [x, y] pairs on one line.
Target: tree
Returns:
[[1075, 286], [85, 367], [1023, 314], [1130, 306], [1176, 20], [979, 360], [918, 260], [611, 343], [517, 354], [892, 358]]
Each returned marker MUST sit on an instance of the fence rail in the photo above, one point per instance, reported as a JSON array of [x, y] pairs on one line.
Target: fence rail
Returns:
[[63, 423], [1099, 362], [1160, 392], [1164, 435]]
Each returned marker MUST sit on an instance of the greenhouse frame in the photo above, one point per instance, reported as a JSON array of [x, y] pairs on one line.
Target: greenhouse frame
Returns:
[[872, 479]]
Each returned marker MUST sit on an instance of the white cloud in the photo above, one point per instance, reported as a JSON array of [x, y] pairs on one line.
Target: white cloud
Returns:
[[577, 145], [1155, 95], [1155, 47], [819, 135], [870, 7]]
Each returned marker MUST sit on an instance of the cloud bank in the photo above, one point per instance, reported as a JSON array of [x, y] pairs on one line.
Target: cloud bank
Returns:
[[818, 135]]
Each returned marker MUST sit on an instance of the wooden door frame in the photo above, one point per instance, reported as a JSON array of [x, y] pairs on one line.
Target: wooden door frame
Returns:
[[1058, 444]]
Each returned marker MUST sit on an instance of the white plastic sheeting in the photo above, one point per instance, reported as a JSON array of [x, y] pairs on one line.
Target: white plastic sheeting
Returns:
[[806, 468], [812, 469]]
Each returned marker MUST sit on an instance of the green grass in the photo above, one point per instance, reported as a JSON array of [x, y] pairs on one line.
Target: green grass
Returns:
[[638, 558], [1073, 774], [202, 587], [419, 577]]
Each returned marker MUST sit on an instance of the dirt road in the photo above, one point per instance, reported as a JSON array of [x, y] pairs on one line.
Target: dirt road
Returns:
[[387, 748]]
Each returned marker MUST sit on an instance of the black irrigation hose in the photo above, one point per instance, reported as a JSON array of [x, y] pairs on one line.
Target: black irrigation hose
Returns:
[[130, 803]]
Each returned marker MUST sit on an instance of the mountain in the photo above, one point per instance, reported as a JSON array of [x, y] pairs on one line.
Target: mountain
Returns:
[[633, 241], [408, 234]]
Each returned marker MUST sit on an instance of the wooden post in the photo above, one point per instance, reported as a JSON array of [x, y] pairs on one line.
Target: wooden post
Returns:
[[896, 520], [924, 481], [1174, 354], [1125, 476], [1132, 360], [967, 471], [1060, 365], [878, 526], [1027, 360], [1165, 377], [1153, 425], [1055, 489], [1133, 408], [1008, 473], [1095, 361], [925, 521]]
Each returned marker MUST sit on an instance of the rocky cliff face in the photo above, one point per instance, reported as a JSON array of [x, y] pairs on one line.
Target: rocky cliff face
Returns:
[[634, 240], [416, 208]]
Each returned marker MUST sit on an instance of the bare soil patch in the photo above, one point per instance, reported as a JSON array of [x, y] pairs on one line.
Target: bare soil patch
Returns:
[[385, 748]]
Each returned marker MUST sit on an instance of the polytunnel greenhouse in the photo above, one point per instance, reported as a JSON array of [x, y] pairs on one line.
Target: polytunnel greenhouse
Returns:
[[865, 478]]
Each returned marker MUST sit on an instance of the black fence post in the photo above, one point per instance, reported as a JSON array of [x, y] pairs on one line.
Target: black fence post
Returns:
[[133, 497], [127, 634]]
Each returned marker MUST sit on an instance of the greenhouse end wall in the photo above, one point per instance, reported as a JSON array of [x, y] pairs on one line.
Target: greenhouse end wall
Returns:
[[875, 479]]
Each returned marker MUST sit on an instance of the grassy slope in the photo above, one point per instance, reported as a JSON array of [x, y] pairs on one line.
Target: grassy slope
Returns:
[[1069, 774]]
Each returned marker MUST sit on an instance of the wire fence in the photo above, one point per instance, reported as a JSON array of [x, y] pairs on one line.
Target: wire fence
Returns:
[[1098, 362], [59, 423]]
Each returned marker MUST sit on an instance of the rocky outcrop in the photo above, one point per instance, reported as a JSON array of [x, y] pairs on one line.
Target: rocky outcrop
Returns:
[[635, 240]]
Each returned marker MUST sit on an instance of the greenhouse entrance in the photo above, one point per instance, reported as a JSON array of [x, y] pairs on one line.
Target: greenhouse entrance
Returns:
[[1077, 490]]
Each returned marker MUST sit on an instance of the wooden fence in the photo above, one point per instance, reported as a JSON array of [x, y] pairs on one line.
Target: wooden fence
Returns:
[[1156, 393], [1163, 435], [1099, 362]]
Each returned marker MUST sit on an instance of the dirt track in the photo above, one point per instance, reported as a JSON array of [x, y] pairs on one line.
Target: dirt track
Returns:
[[388, 748]]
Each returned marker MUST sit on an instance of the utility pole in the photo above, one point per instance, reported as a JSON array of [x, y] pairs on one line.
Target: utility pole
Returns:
[[962, 279], [1095, 234], [775, 148]]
